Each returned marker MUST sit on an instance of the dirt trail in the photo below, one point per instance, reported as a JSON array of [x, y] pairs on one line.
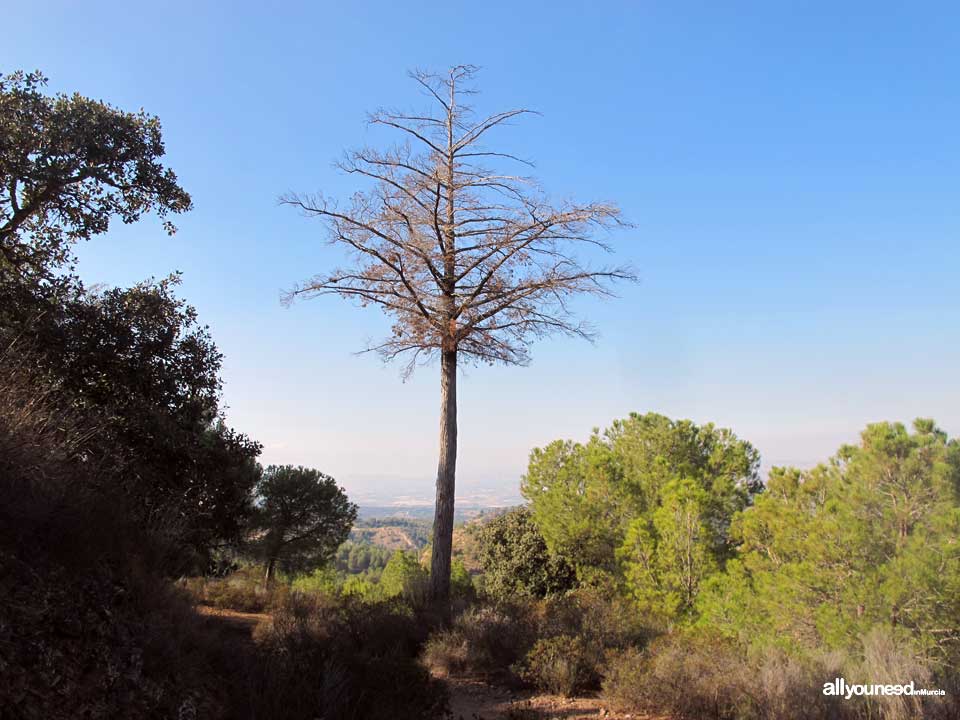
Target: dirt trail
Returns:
[[470, 698], [474, 699], [240, 624]]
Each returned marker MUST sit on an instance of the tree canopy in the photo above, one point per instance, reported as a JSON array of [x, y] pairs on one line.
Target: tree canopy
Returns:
[[471, 261], [402, 574], [868, 539], [459, 253], [640, 497], [68, 166], [139, 366], [302, 517]]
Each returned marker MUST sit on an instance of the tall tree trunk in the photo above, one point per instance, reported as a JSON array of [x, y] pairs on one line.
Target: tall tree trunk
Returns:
[[271, 567], [446, 480]]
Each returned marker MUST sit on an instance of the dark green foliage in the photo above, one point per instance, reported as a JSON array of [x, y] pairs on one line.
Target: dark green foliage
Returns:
[[68, 166], [144, 374], [134, 363], [868, 540], [87, 627], [601, 504], [107, 642], [516, 561], [301, 518]]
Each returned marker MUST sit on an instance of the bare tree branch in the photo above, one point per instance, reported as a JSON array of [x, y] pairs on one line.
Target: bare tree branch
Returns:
[[471, 263]]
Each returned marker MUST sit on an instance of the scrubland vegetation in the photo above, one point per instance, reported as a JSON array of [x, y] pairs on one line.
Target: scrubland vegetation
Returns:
[[651, 566], [651, 563], [92, 622]]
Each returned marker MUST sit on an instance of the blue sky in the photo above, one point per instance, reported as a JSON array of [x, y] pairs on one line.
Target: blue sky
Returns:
[[790, 169]]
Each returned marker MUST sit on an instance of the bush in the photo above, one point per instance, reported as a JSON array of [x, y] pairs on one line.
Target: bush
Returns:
[[405, 577], [625, 682], [697, 675], [484, 640], [561, 665], [107, 642], [143, 374], [683, 677], [87, 627], [244, 591], [892, 658], [516, 561], [341, 659], [447, 653], [500, 641], [603, 622]]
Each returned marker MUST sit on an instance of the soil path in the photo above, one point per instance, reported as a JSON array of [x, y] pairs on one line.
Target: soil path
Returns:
[[470, 698], [475, 699], [239, 624]]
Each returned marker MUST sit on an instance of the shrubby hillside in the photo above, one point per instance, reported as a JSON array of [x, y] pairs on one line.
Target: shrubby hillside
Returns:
[[150, 567], [652, 562]]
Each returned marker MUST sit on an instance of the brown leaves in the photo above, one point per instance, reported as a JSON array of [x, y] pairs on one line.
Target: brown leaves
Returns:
[[458, 253]]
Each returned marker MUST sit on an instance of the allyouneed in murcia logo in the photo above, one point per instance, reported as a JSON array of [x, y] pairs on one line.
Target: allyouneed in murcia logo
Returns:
[[841, 688]]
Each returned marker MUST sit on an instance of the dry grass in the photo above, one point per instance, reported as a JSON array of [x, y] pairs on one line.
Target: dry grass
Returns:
[[696, 675]]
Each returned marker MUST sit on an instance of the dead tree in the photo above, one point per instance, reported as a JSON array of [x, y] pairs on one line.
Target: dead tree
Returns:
[[472, 264]]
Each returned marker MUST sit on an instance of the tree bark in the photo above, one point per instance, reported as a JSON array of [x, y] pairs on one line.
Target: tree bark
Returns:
[[446, 481], [271, 567]]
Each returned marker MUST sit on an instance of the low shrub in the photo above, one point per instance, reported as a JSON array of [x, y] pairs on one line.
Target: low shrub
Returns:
[[108, 642], [891, 658], [605, 623], [681, 676], [88, 626], [484, 640], [342, 659], [447, 653], [698, 675], [244, 591], [499, 640], [561, 665], [625, 682]]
